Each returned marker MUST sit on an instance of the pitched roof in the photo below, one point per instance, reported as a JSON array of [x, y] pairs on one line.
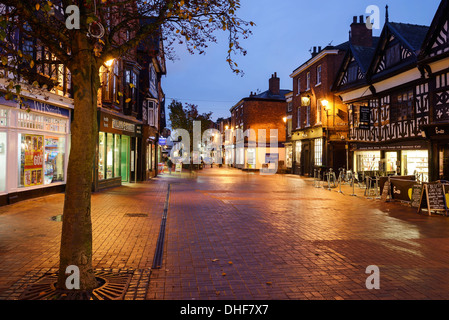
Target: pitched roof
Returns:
[[268, 95], [438, 21], [364, 55], [411, 34]]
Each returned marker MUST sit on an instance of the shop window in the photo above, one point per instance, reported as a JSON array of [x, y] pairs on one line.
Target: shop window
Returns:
[[31, 160], [116, 155], [416, 162], [402, 106], [298, 153], [101, 155], [391, 161], [366, 161], [288, 156], [54, 154], [251, 158], [109, 156], [3, 118], [318, 149], [3, 142]]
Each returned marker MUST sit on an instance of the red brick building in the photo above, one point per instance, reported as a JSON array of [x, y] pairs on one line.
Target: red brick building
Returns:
[[319, 118], [254, 121]]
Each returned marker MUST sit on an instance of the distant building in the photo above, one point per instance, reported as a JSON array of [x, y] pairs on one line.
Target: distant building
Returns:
[[265, 112]]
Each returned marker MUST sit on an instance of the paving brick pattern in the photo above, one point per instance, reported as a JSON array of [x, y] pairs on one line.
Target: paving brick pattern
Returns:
[[237, 235]]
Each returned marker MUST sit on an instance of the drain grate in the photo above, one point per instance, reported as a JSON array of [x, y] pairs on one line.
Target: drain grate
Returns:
[[136, 215], [112, 286]]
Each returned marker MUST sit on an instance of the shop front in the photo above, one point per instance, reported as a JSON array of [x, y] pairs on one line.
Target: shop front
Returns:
[[404, 159], [117, 151], [438, 134], [34, 147]]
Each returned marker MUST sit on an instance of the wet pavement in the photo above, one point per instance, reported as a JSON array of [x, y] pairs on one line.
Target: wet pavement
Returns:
[[241, 236]]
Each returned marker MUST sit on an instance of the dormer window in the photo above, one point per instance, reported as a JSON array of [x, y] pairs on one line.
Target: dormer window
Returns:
[[393, 55], [352, 72]]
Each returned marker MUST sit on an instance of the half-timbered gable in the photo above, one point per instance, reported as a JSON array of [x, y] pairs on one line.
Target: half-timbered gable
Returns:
[[436, 44], [433, 62]]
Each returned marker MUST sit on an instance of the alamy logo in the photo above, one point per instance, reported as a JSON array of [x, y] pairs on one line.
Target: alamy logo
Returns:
[[73, 20], [73, 280], [373, 20]]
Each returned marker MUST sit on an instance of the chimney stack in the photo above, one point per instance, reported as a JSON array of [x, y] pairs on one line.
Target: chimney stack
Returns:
[[360, 35], [274, 84]]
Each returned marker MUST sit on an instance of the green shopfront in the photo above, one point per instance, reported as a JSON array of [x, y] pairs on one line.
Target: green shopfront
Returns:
[[117, 155]]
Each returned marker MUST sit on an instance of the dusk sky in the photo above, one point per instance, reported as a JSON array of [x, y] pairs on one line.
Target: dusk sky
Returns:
[[285, 31]]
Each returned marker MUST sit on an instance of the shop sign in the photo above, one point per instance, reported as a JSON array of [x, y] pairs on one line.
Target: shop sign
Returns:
[[365, 117], [122, 125], [405, 146], [112, 124], [38, 106]]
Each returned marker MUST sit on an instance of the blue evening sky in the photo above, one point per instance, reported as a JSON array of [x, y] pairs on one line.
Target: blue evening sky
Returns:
[[285, 31]]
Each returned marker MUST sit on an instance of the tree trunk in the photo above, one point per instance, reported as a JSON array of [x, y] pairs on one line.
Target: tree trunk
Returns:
[[76, 238]]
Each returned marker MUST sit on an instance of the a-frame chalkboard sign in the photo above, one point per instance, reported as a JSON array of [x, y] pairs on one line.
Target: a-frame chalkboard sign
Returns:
[[433, 198]]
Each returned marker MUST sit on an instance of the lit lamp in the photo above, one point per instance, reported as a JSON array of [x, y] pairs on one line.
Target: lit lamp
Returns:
[[226, 127], [325, 104], [109, 63], [285, 119]]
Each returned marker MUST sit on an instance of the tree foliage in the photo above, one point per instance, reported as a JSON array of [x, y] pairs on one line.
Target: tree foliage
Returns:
[[43, 23], [183, 116]]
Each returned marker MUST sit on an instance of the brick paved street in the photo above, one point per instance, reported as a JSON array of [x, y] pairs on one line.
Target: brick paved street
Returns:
[[236, 235]]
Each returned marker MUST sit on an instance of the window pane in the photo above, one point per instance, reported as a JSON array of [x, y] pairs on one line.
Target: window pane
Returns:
[[31, 160], [109, 156], [117, 155], [54, 159], [318, 152], [101, 156], [2, 161]]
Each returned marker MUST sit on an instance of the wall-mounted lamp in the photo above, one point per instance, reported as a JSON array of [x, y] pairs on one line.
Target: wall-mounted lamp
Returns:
[[284, 119], [109, 63], [325, 104]]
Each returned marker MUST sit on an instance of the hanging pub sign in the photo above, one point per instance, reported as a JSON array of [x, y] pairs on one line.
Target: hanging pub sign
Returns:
[[365, 117], [433, 198]]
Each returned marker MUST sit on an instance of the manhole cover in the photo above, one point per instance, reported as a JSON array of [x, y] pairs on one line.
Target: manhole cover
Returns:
[[136, 215], [111, 286]]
